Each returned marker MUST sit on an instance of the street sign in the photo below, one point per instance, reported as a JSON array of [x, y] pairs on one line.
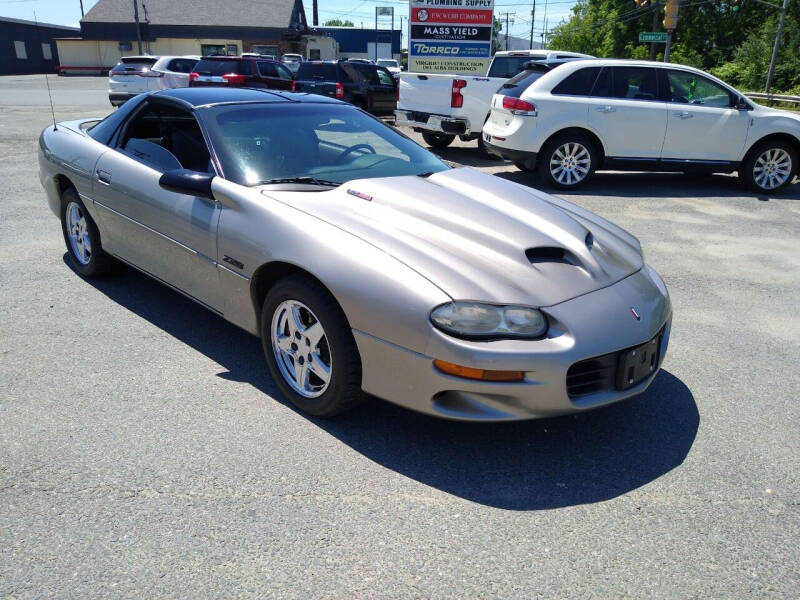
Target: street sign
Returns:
[[653, 36]]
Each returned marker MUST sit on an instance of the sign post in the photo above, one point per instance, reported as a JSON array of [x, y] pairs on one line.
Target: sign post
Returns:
[[450, 36], [382, 11]]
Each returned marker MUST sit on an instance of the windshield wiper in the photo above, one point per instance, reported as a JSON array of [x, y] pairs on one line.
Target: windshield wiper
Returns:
[[305, 179]]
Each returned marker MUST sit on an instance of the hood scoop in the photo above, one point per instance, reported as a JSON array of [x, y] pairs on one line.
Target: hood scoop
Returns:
[[551, 254]]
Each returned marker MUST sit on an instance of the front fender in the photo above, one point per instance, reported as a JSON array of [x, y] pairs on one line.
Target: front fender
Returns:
[[379, 295]]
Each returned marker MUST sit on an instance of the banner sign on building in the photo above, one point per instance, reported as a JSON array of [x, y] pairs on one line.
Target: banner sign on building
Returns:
[[450, 36]]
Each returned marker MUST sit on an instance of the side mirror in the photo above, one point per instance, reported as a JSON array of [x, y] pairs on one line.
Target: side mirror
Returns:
[[743, 104], [191, 183]]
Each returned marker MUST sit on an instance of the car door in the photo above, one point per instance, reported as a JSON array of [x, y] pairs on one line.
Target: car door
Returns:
[[627, 112], [274, 76], [168, 235], [385, 91], [704, 123]]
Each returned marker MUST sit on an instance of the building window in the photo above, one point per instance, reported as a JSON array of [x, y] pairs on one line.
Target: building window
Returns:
[[125, 46], [267, 50], [212, 49], [19, 47], [233, 50], [47, 52], [314, 54]]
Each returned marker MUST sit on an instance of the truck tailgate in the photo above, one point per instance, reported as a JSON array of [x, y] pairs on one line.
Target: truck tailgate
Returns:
[[428, 93]]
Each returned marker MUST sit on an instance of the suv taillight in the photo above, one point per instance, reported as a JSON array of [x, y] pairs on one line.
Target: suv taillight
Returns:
[[339, 93], [456, 99], [193, 76], [294, 85], [233, 78], [517, 106]]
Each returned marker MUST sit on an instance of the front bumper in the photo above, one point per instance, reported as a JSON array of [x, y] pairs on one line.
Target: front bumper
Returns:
[[592, 325], [430, 122]]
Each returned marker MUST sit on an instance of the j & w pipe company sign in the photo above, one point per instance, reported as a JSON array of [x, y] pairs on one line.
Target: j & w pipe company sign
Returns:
[[450, 36]]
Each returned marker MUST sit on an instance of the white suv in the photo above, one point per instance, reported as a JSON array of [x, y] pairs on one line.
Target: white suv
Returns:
[[639, 115], [136, 74]]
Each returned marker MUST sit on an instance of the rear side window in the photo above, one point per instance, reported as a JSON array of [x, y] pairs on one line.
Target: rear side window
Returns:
[[317, 70], [218, 67], [181, 65], [508, 66], [579, 83], [369, 73], [267, 69], [633, 83], [384, 77]]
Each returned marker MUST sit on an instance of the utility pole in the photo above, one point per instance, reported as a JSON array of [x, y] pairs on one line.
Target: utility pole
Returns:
[[533, 17], [656, 5], [314, 14], [138, 27], [506, 15], [775, 48], [82, 15]]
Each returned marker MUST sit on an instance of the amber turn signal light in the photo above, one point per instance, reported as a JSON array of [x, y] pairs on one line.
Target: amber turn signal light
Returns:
[[480, 374]]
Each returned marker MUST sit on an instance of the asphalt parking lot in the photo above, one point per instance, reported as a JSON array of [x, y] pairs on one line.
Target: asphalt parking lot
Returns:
[[143, 450]]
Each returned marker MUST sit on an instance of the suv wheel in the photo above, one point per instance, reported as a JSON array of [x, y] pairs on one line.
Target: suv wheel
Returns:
[[769, 166], [567, 161], [438, 140]]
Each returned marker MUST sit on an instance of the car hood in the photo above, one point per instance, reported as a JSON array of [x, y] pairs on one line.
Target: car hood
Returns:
[[480, 237]]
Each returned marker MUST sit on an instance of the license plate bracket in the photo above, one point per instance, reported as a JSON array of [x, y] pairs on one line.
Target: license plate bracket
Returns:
[[637, 364]]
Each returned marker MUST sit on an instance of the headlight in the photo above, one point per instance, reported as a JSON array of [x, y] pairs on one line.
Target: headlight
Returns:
[[487, 321]]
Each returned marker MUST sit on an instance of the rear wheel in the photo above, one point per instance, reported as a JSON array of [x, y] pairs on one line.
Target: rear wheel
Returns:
[[438, 140], [567, 161], [82, 237], [769, 166], [309, 347]]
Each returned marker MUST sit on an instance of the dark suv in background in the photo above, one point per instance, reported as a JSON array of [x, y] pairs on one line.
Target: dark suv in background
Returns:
[[241, 71], [366, 85]]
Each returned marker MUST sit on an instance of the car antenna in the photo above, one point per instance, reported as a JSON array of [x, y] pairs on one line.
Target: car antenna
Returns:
[[47, 82]]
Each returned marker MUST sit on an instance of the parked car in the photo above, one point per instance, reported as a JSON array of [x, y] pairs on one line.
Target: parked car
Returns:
[[363, 61], [442, 107], [639, 115], [368, 86], [133, 75], [363, 262], [292, 61], [391, 65], [241, 71]]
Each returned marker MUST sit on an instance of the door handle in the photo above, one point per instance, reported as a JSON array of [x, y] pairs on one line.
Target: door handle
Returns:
[[103, 176], [684, 115], [606, 109]]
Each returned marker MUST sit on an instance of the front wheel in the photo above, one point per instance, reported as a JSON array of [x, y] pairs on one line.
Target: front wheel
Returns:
[[309, 347], [82, 237], [567, 161], [769, 166], [438, 140]]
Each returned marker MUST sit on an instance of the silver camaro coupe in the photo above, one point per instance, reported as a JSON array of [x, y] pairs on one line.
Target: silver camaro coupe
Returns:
[[363, 262]]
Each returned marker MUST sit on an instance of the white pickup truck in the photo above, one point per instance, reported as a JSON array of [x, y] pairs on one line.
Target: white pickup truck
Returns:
[[442, 107]]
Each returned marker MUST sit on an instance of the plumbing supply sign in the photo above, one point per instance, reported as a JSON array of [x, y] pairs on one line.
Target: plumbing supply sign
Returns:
[[450, 36]]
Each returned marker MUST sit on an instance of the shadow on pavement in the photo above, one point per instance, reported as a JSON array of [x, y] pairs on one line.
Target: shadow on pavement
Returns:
[[527, 465], [655, 185]]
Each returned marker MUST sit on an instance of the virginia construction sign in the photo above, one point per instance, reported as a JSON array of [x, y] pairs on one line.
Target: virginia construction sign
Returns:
[[450, 36]]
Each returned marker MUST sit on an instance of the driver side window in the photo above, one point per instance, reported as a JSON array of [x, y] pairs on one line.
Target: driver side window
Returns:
[[165, 138], [688, 88]]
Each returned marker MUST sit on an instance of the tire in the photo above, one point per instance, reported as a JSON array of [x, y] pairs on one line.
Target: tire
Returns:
[[769, 166], [291, 310], [438, 140], [82, 237], [581, 153]]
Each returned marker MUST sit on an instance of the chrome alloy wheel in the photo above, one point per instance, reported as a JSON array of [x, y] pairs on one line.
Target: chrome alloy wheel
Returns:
[[301, 348], [772, 168], [78, 233], [570, 163]]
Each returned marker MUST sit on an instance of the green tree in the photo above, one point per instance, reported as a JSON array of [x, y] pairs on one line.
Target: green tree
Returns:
[[338, 23], [497, 27], [736, 46]]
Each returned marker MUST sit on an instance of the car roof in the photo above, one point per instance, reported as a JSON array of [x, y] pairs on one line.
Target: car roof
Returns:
[[209, 96]]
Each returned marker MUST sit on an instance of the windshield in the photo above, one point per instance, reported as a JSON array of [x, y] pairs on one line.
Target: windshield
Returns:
[[258, 143], [387, 63], [217, 67]]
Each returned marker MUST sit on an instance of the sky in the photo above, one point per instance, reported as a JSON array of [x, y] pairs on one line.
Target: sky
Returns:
[[548, 13]]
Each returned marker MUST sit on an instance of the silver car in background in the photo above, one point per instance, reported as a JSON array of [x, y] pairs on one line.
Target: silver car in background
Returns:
[[135, 75], [363, 262], [292, 61]]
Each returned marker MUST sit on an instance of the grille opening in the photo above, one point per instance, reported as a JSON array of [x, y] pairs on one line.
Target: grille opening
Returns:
[[592, 375]]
